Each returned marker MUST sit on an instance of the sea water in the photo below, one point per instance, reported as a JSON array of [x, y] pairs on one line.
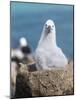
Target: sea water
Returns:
[[27, 20]]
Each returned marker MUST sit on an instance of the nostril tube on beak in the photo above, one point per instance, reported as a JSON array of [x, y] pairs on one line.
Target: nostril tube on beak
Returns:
[[49, 27]]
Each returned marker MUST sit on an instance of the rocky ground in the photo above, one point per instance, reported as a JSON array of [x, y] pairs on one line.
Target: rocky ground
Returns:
[[54, 82]]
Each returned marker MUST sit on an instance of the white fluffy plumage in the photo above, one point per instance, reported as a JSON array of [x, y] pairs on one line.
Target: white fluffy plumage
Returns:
[[17, 53], [48, 54]]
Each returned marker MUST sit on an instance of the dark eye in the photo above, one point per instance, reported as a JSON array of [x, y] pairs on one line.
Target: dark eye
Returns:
[[46, 25]]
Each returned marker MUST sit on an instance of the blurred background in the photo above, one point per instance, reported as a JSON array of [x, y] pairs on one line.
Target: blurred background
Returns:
[[27, 19]]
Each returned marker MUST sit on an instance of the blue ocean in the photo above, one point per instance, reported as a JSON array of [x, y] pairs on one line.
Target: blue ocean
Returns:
[[27, 20]]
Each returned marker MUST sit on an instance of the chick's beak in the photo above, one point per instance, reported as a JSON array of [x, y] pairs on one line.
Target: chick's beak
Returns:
[[49, 28]]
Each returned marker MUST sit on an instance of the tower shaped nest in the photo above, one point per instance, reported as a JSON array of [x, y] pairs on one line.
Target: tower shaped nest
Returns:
[[54, 82]]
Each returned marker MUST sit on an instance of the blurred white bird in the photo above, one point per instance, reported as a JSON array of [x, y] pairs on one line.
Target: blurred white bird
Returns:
[[26, 50], [48, 54], [16, 57], [24, 46]]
